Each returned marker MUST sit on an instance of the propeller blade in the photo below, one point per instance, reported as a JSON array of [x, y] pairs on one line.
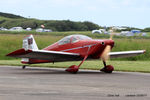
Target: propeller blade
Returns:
[[107, 49], [105, 55]]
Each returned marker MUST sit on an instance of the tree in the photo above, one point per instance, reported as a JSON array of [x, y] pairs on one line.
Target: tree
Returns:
[[146, 29], [91, 26]]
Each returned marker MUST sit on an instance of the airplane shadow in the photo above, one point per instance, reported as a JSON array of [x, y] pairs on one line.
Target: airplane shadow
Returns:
[[58, 71]]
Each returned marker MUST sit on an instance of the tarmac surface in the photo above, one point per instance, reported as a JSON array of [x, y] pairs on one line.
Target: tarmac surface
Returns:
[[34, 83]]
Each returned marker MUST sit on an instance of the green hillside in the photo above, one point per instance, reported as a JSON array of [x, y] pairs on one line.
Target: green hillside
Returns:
[[7, 15], [10, 20]]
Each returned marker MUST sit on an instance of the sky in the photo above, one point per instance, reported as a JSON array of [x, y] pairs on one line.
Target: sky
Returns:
[[132, 13]]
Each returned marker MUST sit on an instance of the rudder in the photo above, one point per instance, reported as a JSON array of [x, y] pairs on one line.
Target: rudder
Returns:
[[28, 44]]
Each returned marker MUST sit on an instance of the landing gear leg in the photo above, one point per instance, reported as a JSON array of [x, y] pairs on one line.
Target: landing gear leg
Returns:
[[74, 69], [24, 66], [107, 68]]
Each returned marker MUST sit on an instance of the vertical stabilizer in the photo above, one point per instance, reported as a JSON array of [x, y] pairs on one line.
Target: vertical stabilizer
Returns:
[[28, 44]]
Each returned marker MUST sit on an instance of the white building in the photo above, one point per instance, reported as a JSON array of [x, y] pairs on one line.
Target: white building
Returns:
[[96, 31], [100, 31], [43, 30], [16, 29], [28, 29], [3, 29], [118, 28]]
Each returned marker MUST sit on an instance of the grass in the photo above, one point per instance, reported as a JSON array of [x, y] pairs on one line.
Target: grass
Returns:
[[12, 42], [4, 18], [130, 66], [88, 33]]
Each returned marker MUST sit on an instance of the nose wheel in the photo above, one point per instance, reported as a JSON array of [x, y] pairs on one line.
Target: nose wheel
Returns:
[[107, 68]]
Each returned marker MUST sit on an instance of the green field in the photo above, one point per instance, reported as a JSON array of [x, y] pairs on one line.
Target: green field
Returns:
[[88, 33], [132, 66], [13, 40]]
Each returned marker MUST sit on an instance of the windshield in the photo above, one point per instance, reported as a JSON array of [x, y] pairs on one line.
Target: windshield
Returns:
[[73, 39], [83, 37], [64, 40]]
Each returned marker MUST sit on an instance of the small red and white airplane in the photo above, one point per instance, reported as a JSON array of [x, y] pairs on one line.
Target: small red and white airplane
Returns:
[[71, 48]]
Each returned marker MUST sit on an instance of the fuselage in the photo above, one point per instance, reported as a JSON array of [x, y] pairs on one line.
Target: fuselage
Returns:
[[94, 47], [85, 46]]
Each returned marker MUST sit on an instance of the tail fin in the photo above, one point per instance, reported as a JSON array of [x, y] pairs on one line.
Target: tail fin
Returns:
[[28, 44]]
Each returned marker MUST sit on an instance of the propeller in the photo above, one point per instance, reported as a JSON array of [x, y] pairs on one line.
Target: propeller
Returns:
[[105, 55], [107, 49]]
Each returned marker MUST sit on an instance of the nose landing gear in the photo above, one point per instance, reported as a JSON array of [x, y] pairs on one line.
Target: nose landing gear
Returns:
[[107, 68]]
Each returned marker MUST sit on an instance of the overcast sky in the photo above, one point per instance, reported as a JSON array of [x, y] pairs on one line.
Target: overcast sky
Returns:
[[133, 13]]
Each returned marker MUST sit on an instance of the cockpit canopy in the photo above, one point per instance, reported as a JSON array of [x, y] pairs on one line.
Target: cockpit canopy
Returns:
[[73, 39]]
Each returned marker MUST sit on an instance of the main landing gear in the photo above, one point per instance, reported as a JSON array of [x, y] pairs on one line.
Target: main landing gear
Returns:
[[107, 68], [74, 68]]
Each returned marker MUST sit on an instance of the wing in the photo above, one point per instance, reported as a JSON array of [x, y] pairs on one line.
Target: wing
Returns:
[[55, 56], [125, 53]]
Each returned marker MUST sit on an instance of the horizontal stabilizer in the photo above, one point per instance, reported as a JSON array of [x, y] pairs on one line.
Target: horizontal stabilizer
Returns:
[[19, 52]]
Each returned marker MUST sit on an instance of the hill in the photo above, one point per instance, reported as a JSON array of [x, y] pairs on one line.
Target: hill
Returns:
[[10, 20], [7, 15]]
